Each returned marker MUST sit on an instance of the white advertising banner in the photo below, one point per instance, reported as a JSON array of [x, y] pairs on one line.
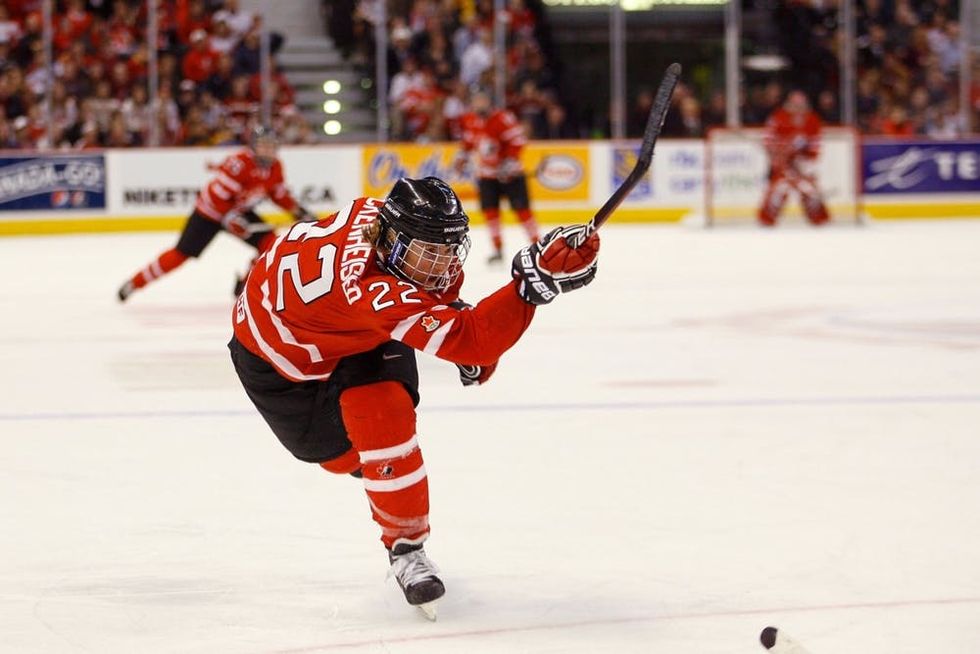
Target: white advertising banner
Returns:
[[165, 182]]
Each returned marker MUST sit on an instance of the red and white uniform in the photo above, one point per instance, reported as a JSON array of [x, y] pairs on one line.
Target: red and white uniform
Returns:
[[790, 136], [318, 294], [240, 184], [793, 143], [494, 139]]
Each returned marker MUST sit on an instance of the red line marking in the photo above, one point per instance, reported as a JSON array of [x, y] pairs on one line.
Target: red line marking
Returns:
[[608, 621]]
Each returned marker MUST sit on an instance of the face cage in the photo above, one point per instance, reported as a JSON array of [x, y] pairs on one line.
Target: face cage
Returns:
[[269, 151], [433, 266]]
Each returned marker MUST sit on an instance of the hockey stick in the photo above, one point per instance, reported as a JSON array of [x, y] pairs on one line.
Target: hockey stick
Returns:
[[654, 124]]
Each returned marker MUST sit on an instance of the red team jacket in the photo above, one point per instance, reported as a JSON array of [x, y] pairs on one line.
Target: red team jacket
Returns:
[[318, 294], [240, 184], [498, 137], [788, 134]]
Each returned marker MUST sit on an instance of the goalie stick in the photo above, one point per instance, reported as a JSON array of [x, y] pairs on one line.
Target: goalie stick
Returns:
[[655, 122]]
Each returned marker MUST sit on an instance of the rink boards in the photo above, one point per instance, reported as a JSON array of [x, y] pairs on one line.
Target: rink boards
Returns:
[[154, 189]]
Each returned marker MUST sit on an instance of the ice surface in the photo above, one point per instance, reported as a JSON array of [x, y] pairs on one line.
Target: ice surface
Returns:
[[727, 430]]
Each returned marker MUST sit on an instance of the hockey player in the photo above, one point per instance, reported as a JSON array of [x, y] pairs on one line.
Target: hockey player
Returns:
[[793, 142], [242, 181], [326, 330], [496, 139]]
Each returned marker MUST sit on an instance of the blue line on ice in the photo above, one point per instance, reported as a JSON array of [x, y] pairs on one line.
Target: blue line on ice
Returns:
[[568, 406]]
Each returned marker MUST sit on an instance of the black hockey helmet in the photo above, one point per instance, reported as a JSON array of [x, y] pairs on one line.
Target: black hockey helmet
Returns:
[[425, 231]]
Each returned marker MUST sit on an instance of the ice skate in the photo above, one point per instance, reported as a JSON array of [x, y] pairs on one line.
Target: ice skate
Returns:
[[496, 257], [416, 575], [125, 291]]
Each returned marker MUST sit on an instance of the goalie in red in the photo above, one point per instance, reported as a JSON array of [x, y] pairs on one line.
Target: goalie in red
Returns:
[[496, 138], [326, 330], [241, 181], [793, 142]]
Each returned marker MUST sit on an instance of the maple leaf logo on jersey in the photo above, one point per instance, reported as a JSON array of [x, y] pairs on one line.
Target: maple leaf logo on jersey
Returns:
[[429, 323]]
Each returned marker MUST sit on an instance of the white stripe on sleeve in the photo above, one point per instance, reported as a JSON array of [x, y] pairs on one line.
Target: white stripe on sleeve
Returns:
[[398, 333], [435, 342]]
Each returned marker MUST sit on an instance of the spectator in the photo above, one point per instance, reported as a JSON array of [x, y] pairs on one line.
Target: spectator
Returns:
[[477, 58], [422, 108], [7, 138], [406, 78], [120, 80], [118, 136], [186, 97], [530, 106], [240, 106], [639, 113], [10, 32], [194, 18], [944, 122], [167, 116], [72, 25], [89, 139], [137, 113], [827, 107], [223, 40], [200, 62], [248, 55], [219, 83], [194, 131], [104, 105], [64, 108], [716, 113], [556, 123], [240, 22], [897, 123]]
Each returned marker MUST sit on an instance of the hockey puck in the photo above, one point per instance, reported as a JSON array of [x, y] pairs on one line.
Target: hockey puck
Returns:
[[768, 637]]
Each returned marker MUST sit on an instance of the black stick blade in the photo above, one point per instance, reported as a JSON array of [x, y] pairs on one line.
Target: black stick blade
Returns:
[[661, 103]]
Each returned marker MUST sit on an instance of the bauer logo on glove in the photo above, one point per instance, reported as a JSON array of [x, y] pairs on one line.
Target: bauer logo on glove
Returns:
[[564, 260]]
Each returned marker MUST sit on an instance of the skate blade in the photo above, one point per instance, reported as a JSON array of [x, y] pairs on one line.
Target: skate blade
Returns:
[[428, 610]]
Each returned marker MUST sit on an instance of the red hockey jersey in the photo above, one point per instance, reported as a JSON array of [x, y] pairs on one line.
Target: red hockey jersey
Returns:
[[494, 139], [789, 134], [318, 294], [240, 184]]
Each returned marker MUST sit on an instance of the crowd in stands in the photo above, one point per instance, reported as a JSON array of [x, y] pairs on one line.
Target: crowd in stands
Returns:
[[209, 84], [908, 61], [441, 49]]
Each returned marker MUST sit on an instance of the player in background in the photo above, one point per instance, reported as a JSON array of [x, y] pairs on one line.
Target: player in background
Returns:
[[326, 330], [242, 181], [792, 141], [496, 139]]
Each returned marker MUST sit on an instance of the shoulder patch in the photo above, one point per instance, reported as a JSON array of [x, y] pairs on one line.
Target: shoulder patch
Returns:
[[429, 323]]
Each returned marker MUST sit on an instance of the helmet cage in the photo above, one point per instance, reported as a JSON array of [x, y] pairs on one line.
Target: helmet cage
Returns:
[[265, 144], [432, 266]]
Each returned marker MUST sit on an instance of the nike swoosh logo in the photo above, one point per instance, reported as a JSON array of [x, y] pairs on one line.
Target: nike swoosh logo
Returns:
[[388, 357]]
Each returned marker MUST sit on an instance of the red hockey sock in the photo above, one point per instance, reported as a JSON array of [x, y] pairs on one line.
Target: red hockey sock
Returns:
[[772, 204], [163, 264], [380, 421], [493, 224], [530, 224], [344, 464]]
